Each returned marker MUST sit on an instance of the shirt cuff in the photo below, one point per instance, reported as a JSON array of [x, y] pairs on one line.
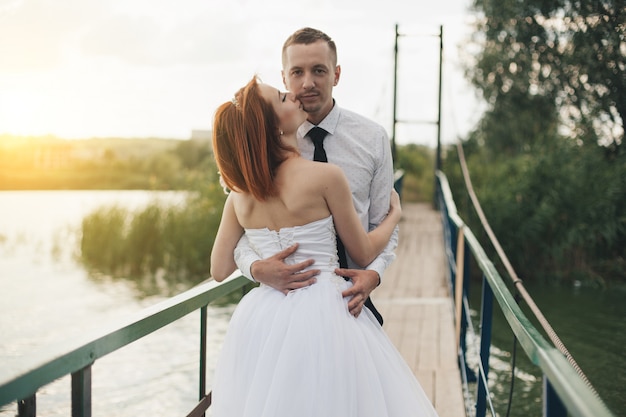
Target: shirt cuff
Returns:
[[244, 262], [379, 267]]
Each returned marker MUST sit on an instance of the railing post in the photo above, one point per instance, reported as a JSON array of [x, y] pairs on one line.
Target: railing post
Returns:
[[485, 345], [552, 404], [81, 392], [452, 238], [459, 281], [27, 407], [471, 375], [203, 346]]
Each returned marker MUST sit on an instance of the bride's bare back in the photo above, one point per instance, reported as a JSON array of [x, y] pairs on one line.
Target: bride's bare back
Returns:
[[301, 185]]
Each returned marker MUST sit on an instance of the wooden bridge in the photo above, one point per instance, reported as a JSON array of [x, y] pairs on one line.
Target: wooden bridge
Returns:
[[415, 300], [417, 308]]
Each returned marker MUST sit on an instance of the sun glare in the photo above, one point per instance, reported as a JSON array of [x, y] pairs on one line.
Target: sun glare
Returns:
[[19, 113]]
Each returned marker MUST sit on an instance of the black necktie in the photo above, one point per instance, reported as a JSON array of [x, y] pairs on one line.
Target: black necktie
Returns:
[[317, 135]]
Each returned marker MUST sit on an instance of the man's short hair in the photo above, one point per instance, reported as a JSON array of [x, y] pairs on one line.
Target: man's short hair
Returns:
[[306, 36]]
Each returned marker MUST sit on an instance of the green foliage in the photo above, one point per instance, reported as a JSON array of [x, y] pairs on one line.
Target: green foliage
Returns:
[[191, 230], [162, 248], [418, 164], [545, 159], [517, 122], [192, 153], [102, 244], [570, 53], [559, 215], [145, 240]]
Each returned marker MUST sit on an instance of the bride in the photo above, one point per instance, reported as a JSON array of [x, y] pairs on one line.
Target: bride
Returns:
[[301, 353]]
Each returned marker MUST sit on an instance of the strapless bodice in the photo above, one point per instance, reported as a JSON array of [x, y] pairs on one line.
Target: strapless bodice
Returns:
[[317, 240]]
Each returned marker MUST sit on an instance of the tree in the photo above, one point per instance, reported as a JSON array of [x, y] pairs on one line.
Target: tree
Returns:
[[572, 52], [517, 123], [553, 75]]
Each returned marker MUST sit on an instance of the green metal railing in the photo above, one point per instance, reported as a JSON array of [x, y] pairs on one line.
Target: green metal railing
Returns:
[[77, 357], [564, 389]]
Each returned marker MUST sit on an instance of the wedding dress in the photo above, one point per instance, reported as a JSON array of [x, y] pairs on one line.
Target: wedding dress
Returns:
[[303, 354]]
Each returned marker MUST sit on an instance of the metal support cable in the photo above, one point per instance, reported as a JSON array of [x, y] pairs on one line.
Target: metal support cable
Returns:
[[519, 284]]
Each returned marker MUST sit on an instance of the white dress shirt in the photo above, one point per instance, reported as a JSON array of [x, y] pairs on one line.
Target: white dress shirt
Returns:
[[361, 148]]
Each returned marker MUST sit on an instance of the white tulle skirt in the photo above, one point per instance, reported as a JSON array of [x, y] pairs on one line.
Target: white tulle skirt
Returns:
[[304, 355]]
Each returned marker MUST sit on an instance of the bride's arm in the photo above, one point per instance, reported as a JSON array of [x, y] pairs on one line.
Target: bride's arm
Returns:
[[363, 247], [228, 234]]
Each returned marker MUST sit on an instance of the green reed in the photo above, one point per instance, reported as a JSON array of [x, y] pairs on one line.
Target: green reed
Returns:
[[162, 248]]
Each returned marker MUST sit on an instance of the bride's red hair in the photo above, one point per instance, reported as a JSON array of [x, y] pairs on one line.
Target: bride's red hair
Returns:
[[247, 144]]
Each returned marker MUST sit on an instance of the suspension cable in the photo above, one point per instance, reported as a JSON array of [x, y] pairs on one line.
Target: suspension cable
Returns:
[[519, 285]]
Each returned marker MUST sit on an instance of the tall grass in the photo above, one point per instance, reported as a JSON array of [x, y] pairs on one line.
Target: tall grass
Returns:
[[162, 248]]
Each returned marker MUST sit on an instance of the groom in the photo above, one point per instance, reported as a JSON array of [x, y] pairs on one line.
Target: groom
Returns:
[[356, 144]]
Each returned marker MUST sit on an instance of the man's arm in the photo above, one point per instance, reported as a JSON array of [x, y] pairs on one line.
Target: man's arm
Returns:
[[245, 256], [273, 271], [365, 281], [380, 190], [386, 257]]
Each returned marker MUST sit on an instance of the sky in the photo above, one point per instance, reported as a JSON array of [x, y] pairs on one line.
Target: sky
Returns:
[[157, 68]]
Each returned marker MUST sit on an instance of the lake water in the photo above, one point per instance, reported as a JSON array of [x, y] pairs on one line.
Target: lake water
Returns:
[[46, 297], [592, 326]]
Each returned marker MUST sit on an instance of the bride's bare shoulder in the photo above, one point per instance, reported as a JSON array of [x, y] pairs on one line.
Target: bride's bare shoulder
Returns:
[[314, 172]]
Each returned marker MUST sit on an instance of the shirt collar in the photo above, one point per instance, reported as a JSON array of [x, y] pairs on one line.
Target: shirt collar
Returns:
[[329, 123]]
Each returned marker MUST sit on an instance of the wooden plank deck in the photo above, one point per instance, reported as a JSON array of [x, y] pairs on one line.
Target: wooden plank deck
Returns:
[[414, 301]]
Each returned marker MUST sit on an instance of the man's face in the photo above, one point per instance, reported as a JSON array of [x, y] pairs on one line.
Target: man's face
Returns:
[[309, 72]]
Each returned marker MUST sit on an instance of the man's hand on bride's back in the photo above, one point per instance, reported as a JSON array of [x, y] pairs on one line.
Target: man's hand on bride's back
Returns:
[[273, 271]]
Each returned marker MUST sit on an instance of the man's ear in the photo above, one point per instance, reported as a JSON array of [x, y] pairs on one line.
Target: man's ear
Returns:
[[337, 74], [282, 73]]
